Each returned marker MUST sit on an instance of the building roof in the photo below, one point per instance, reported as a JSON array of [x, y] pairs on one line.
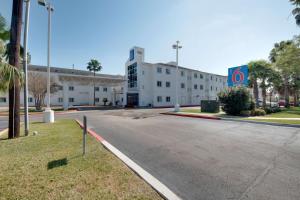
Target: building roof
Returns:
[[68, 71]]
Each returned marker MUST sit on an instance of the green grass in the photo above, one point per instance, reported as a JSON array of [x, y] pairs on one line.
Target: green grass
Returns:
[[279, 121], [293, 112], [51, 166]]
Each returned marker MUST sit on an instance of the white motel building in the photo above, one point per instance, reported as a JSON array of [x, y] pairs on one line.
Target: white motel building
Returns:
[[144, 85], [154, 84]]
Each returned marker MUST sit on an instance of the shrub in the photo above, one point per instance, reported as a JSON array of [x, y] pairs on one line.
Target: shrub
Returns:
[[272, 110], [235, 100], [245, 113], [258, 112], [210, 106], [252, 105]]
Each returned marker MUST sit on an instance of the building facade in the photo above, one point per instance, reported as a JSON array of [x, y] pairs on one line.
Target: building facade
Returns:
[[154, 84], [74, 87]]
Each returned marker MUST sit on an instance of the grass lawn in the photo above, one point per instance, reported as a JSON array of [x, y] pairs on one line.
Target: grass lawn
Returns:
[[51, 166], [292, 112], [280, 121]]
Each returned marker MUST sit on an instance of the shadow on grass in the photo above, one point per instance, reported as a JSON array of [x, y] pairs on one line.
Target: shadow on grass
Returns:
[[57, 163]]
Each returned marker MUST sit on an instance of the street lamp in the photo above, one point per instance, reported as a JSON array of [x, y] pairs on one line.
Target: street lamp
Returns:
[[177, 47], [25, 62], [48, 113]]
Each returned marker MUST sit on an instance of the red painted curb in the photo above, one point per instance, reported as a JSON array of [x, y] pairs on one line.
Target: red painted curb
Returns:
[[193, 116], [92, 133]]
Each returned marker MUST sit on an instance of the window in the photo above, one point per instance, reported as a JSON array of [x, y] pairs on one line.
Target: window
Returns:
[[2, 99], [60, 99], [195, 75], [105, 89], [30, 100], [143, 72], [71, 88], [216, 88], [168, 99], [97, 100], [195, 87], [159, 99], [71, 100], [168, 71], [182, 85], [132, 75], [216, 79], [201, 87], [97, 89], [211, 88], [159, 70], [158, 83], [182, 73], [211, 78], [201, 76], [131, 54], [59, 87], [168, 84]]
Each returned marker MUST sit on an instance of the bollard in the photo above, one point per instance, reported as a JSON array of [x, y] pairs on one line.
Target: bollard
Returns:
[[84, 134]]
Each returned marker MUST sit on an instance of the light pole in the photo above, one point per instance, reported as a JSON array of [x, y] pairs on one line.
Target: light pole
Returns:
[[26, 120], [177, 106], [48, 113]]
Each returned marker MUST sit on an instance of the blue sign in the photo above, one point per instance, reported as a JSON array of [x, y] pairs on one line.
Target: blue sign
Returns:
[[238, 76]]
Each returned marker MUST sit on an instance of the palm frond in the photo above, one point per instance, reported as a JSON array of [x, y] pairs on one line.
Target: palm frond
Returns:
[[8, 75]]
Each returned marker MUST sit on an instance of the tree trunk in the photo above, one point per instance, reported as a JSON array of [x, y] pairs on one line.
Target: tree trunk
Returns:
[[264, 93], [94, 89], [264, 96], [296, 96], [14, 55], [255, 93], [286, 92]]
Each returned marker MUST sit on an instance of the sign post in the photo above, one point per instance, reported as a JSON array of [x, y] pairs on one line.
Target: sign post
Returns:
[[238, 76], [84, 134]]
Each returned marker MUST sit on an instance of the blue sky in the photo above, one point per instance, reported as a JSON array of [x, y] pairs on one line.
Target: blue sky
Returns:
[[215, 34]]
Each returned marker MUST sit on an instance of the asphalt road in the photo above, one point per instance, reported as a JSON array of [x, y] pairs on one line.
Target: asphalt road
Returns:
[[206, 159]]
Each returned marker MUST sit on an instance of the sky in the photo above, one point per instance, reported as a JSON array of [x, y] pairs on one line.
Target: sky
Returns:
[[215, 35]]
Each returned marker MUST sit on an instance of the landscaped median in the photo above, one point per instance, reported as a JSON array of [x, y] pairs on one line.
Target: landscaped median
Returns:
[[50, 165], [290, 116]]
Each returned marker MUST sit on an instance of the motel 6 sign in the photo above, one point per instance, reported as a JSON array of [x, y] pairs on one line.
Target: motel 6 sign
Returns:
[[238, 76]]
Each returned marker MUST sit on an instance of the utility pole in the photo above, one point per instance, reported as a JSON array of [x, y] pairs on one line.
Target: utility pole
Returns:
[[25, 63], [177, 106], [48, 113]]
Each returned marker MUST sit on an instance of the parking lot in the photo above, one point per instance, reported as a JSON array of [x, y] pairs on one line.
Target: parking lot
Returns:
[[207, 159]]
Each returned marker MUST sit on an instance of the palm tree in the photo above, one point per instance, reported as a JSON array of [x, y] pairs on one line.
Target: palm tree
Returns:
[[94, 66], [14, 50], [279, 57], [296, 11], [260, 74]]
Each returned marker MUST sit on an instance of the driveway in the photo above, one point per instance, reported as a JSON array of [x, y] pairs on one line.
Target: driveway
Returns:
[[207, 159]]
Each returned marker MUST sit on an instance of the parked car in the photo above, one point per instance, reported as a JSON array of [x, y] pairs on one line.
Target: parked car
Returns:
[[281, 103], [273, 104]]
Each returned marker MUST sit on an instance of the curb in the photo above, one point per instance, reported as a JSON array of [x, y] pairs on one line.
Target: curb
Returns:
[[193, 116], [3, 131], [263, 123], [163, 190]]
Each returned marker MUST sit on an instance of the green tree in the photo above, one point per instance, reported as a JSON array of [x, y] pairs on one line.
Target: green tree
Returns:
[[261, 74], [296, 10], [286, 58], [94, 66]]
